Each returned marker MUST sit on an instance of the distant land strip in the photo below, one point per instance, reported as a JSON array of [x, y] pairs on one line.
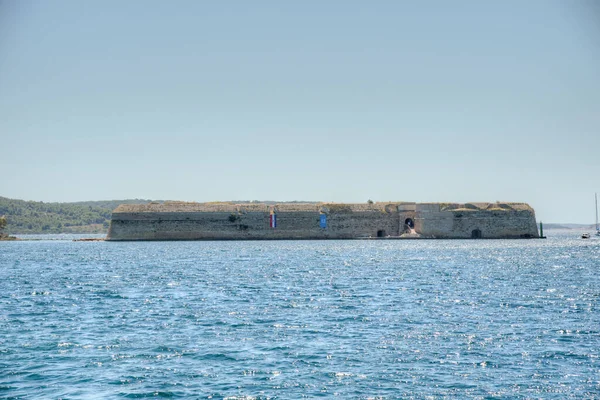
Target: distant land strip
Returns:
[[38, 217]]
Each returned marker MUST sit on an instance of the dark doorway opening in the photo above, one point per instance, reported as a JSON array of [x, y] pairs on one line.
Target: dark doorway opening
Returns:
[[476, 234], [381, 233], [409, 222]]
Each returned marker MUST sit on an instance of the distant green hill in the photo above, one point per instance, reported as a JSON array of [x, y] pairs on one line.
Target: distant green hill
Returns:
[[79, 217]]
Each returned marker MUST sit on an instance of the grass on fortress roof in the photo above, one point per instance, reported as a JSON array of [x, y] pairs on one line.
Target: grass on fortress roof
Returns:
[[232, 207]]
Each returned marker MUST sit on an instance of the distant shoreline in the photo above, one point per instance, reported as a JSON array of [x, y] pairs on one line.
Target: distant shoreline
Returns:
[[8, 238], [572, 227]]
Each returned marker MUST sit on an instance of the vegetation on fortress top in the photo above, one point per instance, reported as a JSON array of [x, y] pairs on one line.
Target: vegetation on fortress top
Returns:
[[39, 217]]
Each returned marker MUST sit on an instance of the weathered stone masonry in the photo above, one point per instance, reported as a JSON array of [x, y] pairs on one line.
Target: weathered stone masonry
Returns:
[[226, 221]]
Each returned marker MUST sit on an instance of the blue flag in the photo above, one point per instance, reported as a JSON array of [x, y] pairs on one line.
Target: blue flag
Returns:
[[323, 221]]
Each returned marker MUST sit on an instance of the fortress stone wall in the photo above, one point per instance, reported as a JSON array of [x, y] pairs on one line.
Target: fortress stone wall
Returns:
[[227, 221]]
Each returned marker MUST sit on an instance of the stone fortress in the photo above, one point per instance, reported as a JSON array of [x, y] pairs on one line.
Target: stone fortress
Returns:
[[292, 221]]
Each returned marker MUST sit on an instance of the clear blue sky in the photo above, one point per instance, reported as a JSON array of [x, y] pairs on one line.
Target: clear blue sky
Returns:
[[311, 100]]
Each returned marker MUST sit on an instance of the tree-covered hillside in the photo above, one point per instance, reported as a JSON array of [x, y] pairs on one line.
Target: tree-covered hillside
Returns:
[[39, 217]]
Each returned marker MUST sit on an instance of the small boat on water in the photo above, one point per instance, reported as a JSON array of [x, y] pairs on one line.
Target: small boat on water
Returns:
[[587, 235]]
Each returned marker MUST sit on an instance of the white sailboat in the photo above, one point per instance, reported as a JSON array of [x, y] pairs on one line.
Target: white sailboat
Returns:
[[597, 227], [587, 235]]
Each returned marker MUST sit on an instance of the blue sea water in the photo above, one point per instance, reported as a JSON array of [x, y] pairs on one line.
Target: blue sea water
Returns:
[[304, 319]]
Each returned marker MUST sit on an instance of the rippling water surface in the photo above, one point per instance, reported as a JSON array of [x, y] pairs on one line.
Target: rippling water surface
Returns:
[[284, 319]]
